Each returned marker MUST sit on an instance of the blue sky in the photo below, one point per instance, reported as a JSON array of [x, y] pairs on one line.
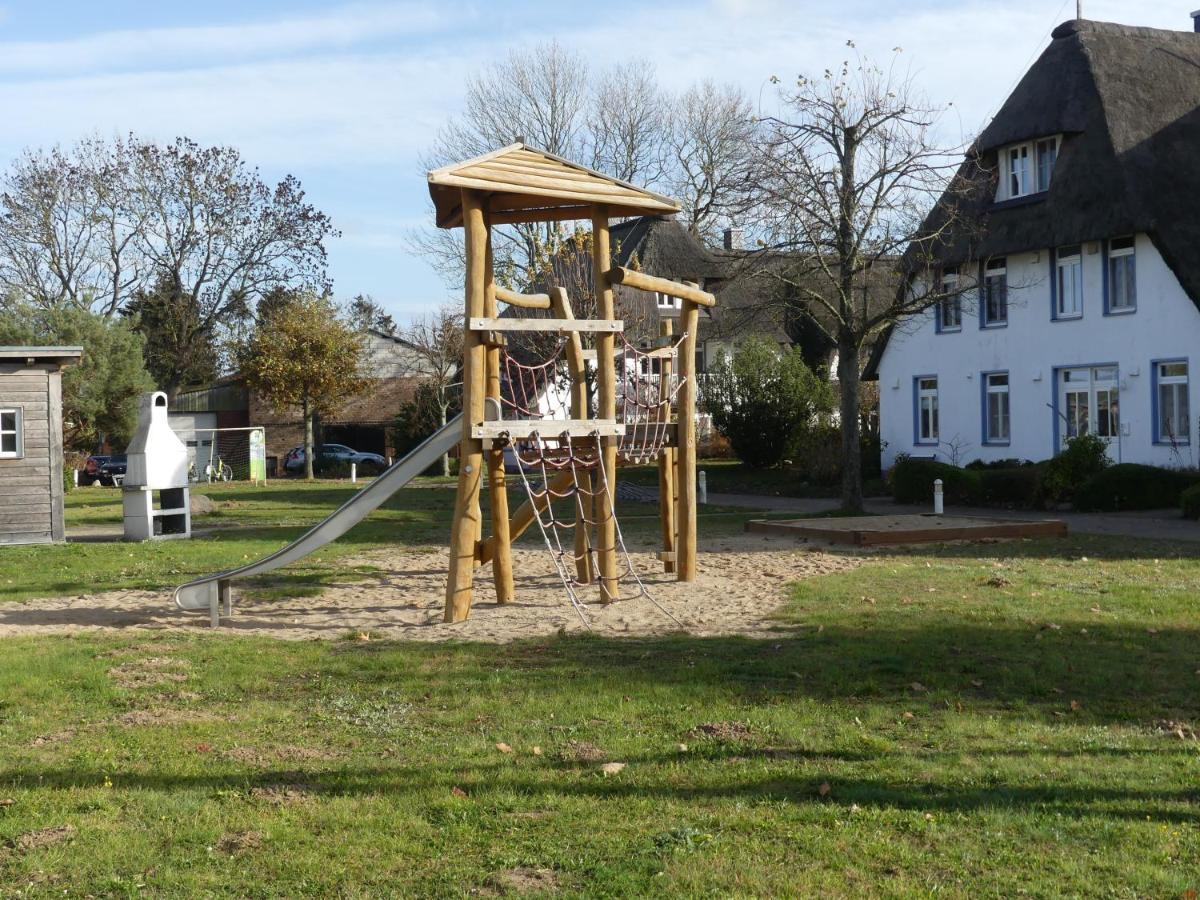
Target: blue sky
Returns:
[[348, 96]]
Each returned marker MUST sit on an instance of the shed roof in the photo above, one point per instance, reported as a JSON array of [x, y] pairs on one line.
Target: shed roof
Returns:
[[61, 355], [529, 185]]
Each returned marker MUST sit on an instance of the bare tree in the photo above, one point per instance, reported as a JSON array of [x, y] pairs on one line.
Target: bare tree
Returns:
[[436, 343], [848, 173], [68, 228], [710, 145], [213, 228], [628, 124]]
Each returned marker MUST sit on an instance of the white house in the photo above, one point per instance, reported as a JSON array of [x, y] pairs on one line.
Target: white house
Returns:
[[1079, 309]]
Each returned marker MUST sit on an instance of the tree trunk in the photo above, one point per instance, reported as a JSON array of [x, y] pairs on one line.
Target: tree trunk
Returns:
[[848, 384], [445, 456], [308, 442]]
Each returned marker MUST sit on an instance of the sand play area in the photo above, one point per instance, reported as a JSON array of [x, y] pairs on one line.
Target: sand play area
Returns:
[[742, 580]]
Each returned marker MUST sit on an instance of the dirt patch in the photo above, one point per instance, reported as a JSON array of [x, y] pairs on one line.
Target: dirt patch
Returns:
[[742, 580], [134, 675], [43, 837], [722, 731], [525, 880], [582, 751], [239, 842], [283, 794], [1181, 730], [269, 756], [138, 718], [59, 737]]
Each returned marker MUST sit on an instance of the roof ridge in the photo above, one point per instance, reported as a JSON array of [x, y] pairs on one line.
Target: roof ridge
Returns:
[[1097, 26]]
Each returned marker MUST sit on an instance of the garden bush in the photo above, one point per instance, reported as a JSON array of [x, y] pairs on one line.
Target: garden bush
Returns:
[[1132, 486], [1013, 488], [1190, 501], [762, 399], [1083, 457], [912, 482]]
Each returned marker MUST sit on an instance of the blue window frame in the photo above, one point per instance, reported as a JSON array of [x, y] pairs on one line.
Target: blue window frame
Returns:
[[1170, 402], [925, 410], [995, 408], [993, 294], [1120, 277]]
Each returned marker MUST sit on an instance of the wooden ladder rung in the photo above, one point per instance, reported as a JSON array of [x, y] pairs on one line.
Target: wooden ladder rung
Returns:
[[550, 325]]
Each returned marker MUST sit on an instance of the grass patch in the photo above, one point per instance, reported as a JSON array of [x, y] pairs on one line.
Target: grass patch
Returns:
[[977, 720], [730, 476]]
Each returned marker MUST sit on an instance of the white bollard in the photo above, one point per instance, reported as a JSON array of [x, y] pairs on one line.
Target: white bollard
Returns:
[[354, 473], [75, 477], [938, 508], [702, 487]]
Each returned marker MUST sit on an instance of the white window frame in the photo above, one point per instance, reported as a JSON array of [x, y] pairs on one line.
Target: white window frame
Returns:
[[949, 287], [1021, 168], [666, 301], [1100, 387], [997, 268], [1180, 401], [1115, 253], [1062, 262], [994, 389], [17, 432], [1038, 149], [927, 401]]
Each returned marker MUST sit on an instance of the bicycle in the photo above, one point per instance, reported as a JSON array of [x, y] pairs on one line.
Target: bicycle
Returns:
[[219, 471]]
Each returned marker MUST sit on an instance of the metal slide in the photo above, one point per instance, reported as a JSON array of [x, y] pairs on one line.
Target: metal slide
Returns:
[[214, 590]]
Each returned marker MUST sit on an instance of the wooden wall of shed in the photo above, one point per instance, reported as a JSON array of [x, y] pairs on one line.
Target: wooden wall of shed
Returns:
[[31, 498]]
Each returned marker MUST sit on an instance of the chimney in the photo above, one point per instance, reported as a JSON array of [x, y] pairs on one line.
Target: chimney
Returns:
[[733, 239], [1196, 21]]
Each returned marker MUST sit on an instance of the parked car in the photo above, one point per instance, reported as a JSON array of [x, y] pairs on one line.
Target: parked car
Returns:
[[334, 455], [104, 468]]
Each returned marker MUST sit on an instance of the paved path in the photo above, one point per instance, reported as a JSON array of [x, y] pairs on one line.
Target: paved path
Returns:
[[1158, 524]]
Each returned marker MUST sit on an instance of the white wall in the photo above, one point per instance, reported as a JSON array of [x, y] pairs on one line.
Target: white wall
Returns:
[[1166, 325]]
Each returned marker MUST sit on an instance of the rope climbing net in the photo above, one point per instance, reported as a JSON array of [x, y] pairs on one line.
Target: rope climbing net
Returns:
[[649, 387], [561, 468], [593, 506]]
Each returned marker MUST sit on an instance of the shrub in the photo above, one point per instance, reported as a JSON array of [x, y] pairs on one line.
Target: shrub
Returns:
[[762, 399], [1190, 501], [1083, 457], [912, 482], [1133, 486], [1014, 487]]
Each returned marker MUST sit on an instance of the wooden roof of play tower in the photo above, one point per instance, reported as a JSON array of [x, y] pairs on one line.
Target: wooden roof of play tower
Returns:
[[528, 185]]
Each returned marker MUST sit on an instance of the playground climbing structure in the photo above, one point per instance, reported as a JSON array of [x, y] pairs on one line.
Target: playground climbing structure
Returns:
[[567, 438]]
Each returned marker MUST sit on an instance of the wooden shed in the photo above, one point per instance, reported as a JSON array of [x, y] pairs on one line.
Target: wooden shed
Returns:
[[31, 437]]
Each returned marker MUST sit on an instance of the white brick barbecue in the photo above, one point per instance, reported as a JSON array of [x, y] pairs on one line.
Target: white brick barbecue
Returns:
[[156, 497]]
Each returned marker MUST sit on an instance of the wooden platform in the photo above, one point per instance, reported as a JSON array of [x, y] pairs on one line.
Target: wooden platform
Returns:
[[869, 531]]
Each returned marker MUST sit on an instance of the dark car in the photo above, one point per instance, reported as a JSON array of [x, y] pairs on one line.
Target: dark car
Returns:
[[104, 468]]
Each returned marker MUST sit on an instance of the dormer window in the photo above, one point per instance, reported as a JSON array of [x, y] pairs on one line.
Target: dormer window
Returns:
[[1027, 168]]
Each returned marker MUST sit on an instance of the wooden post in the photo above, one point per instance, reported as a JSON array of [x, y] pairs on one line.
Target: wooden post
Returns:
[[502, 572], [685, 453], [465, 525], [560, 304], [606, 378], [666, 462]]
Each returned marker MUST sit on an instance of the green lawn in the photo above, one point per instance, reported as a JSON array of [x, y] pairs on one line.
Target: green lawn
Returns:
[[988, 720]]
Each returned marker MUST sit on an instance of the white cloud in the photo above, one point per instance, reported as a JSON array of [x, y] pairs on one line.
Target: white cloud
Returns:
[[152, 47]]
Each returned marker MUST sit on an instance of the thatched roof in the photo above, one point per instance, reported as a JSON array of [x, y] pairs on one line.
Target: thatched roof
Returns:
[[662, 246], [1127, 102], [524, 184]]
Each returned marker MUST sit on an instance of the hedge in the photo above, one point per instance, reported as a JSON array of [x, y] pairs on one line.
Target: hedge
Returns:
[[912, 482], [1015, 488], [1190, 501], [1132, 486]]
